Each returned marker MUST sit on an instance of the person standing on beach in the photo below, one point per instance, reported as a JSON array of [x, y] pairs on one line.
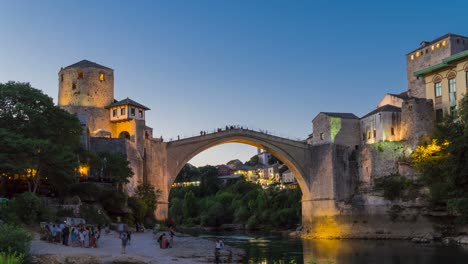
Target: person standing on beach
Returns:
[[123, 238]]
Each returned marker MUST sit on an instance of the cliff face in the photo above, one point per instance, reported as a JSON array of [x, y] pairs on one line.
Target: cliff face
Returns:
[[387, 203]]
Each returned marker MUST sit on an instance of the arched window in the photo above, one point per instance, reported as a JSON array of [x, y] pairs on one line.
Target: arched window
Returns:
[[124, 134], [101, 77]]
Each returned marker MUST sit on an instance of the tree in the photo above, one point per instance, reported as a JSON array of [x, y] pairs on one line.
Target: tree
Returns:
[[253, 161], [40, 138], [188, 173], [116, 168], [148, 196], [209, 180]]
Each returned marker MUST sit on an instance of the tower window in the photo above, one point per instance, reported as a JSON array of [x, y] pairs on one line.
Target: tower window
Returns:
[[101, 76], [114, 112], [132, 111], [122, 111], [375, 133], [140, 113], [321, 136], [61, 77], [73, 86], [80, 75], [368, 134], [392, 131]]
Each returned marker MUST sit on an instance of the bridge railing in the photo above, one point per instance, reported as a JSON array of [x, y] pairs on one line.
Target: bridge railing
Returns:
[[231, 127]]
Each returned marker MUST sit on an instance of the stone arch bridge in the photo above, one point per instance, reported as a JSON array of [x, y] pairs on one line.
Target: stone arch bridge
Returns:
[[324, 172]]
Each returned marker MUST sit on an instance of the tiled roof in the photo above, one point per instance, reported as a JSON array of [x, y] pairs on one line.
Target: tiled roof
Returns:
[[385, 108], [87, 64], [127, 101]]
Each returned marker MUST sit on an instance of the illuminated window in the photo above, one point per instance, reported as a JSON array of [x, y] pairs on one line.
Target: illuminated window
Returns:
[[122, 111], [392, 131], [73, 86], [452, 93], [444, 43], [80, 75], [114, 112], [101, 76], [412, 57], [417, 54], [466, 78], [438, 89], [438, 45], [321, 136], [132, 111], [432, 47]]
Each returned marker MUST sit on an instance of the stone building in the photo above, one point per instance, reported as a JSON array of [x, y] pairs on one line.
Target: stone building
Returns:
[[429, 54], [337, 128], [446, 83], [87, 89], [382, 124]]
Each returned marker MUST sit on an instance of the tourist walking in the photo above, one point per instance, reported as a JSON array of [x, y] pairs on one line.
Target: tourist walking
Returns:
[[123, 238], [65, 234]]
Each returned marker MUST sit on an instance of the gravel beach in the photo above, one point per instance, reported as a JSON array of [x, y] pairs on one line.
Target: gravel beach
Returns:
[[142, 249]]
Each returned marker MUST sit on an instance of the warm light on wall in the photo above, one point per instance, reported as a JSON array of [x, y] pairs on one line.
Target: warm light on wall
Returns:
[[417, 54], [444, 43], [412, 57], [84, 170], [432, 47], [438, 45]]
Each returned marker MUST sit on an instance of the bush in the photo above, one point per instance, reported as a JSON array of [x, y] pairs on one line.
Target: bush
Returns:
[[393, 186], [30, 209], [11, 258], [94, 215], [14, 239]]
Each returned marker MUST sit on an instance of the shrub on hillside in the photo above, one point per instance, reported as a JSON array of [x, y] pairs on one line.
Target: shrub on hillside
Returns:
[[14, 239], [30, 209]]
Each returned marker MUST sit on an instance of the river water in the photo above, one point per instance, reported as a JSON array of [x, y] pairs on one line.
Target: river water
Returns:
[[269, 248]]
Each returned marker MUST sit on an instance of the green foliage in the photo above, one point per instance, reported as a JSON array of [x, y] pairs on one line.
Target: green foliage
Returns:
[[116, 167], [14, 239], [143, 204], [444, 163], [40, 139], [240, 203], [209, 182], [189, 173], [189, 208], [93, 215], [11, 258], [30, 209], [253, 161], [274, 160], [393, 186]]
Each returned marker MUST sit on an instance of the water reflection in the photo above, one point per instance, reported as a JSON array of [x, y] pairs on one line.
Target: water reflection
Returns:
[[381, 252], [269, 249]]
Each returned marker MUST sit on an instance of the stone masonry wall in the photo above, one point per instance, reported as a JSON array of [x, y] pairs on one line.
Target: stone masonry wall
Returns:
[[89, 90]]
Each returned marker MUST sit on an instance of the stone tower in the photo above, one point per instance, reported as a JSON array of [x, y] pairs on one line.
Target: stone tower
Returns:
[[430, 54], [85, 88]]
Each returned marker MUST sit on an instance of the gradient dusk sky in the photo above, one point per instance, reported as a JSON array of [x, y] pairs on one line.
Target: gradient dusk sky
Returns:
[[199, 65]]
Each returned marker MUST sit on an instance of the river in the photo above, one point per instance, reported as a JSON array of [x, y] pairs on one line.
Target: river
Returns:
[[271, 248]]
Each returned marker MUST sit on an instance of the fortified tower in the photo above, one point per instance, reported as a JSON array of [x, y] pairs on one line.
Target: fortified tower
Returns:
[[85, 89]]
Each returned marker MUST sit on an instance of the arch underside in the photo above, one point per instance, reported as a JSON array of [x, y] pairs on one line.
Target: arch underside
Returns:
[[185, 155]]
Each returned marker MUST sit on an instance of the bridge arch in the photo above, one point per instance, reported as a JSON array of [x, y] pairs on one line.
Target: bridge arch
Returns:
[[276, 151]]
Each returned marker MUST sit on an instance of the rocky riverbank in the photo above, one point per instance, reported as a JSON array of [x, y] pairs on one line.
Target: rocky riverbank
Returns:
[[142, 249]]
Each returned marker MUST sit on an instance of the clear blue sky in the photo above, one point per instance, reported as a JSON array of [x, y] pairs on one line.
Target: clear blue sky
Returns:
[[199, 65]]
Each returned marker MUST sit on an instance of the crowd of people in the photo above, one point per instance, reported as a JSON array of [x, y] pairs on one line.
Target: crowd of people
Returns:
[[75, 236]]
